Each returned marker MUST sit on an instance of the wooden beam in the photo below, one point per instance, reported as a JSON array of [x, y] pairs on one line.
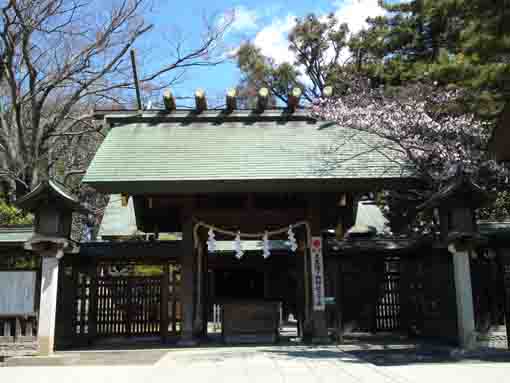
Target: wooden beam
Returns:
[[254, 221], [262, 99], [169, 101], [293, 101], [135, 77], [200, 100], [231, 101]]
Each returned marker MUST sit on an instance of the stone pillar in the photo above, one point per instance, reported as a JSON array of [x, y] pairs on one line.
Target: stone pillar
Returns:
[[53, 206], [48, 305], [462, 231], [456, 204], [187, 283], [464, 298]]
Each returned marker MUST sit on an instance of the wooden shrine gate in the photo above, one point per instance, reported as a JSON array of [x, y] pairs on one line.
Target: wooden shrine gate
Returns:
[[369, 293], [97, 305], [128, 306]]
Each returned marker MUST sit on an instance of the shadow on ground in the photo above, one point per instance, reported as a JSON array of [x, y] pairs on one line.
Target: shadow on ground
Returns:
[[395, 351], [378, 351]]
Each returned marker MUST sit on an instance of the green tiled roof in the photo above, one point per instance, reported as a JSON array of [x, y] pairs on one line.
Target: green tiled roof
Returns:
[[495, 230], [15, 234], [203, 149], [50, 191]]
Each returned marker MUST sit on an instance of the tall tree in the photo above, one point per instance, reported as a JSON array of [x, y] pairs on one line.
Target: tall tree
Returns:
[[319, 49], [426, 128], [59, 58], [460, 42]]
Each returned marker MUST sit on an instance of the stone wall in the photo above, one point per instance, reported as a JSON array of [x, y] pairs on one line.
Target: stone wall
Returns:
[[23, 347]]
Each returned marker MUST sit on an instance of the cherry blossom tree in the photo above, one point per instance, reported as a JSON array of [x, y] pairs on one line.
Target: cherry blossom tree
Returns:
[[430, 131]]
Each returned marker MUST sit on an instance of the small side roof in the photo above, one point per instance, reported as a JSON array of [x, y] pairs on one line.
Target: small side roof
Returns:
[[462, 191], [19, 234], [50, 191], [496, 232]]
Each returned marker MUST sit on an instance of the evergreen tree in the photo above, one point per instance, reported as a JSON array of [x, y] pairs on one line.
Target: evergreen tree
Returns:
[[459, 42], [10, 215], [318, 46]]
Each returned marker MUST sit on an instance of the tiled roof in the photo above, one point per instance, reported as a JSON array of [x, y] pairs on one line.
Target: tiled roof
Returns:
[[15, 234], [243, 149]]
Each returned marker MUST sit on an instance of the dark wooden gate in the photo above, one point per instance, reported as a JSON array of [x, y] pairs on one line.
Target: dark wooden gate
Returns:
[[387, 313], [128, 306], [369, 296], [505, 265], [427, 295], [488, 293]]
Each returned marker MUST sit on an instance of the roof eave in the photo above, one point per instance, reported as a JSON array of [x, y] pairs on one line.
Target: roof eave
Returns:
[[248, 185]]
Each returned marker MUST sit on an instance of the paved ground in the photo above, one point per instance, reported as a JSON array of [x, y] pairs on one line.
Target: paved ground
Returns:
[[370, 363]]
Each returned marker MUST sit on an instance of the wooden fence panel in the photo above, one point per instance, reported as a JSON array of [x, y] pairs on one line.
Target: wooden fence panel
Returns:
[[388, 305], [128, 306]]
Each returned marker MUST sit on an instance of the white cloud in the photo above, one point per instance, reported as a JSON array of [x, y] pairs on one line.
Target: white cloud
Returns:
[[355, 12], [272, 39], [244, 19]]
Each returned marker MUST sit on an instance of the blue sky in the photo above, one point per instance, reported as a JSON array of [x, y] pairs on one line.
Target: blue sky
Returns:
[[264, 22]]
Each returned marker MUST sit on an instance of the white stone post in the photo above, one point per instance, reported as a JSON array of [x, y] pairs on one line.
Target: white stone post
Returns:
[[48, 305], [464, 298]]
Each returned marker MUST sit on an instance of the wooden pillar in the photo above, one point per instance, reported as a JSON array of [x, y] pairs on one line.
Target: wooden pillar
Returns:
[[300, 297], [504, 262], [350, 210], [165, 283], [92, 271], [198, 324], [339, 304], [319, 330], [187, 282]]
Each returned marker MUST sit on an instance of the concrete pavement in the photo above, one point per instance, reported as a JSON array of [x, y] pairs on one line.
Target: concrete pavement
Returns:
[[282, 364]]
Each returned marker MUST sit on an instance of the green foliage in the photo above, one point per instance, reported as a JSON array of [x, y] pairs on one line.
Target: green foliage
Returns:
[[10, 215], [29, 261], [317, 44], [19, 260], [147, 270], [499, 210], [466, 43]]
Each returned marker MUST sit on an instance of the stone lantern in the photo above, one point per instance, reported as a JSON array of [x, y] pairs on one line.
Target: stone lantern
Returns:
[[456, 205], [52, 205]]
